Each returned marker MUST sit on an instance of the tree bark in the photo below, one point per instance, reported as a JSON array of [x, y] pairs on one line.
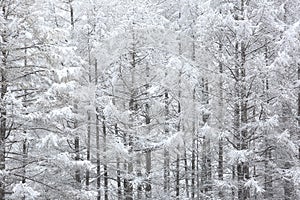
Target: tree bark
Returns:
[[88, 156], [88, 151], [268, 182], [77, 158], [166, 150], [98, 179], [119, 179], [148, 186], [177, 181], [243, 167], [128, 186], [119, 184], [206, 175], [105, 160], [220, 124], [139, 175], [3, 125], [298, 109]]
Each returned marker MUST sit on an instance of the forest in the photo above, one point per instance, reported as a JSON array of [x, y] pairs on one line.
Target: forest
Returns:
[[150, 99]]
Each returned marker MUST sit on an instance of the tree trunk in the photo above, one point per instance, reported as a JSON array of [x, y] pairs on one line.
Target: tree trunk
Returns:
[[24, 160], [119, 185], [288, 185], [243, 167], [193, 183], [139, 175], [76, 139], [197, 168], [88, 151], [98, 179], [77, 158], [177, 181], [206, 177], [105, 160], [24, 143], [132, 107], [193, 162], [128, 187], [166, 150], [88, 156], [119, 179], [236, 123], [220, 125], [268, 185], [148, 186], [186, 173], [3, 125], [299, 109]]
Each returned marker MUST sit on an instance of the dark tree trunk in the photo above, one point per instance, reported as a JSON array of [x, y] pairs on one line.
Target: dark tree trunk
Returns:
[[105, 160], [88, 156], [77, 158], [3, 114], [148, 186], [298, 110], [166, 150], [98, 179], [220, 127]]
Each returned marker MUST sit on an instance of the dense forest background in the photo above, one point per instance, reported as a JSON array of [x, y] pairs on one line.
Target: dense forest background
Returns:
[[150, 99]]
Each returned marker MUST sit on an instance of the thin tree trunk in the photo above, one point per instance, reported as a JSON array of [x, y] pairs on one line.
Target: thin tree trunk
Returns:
[[98, 179], [139, 162], [119, 185], [3, 125], [24, 152], [87, 173], [166, 151], [76, 139], [128, 186], [148, 186], [193, 184], [88, 151], [243, 167], [139, 175], [186, 172], [105, 160], [119, 179], [288, 185], [220, 127], [233, 191], [24, 143], [236, 123], [77, 158], [177, 181], [24, 160], [206, 177], [193, 171], [268, 185], [197, 168], [299, 108], [166, 171], [132, 107]]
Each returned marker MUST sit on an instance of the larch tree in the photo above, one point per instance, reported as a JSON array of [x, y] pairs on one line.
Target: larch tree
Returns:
[[156, 99]]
